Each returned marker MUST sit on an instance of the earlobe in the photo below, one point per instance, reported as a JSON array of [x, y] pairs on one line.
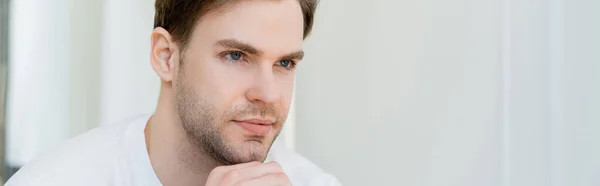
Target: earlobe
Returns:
[[162, 54]]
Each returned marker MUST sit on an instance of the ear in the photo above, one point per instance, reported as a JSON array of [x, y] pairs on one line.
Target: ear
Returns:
[[164, 54]]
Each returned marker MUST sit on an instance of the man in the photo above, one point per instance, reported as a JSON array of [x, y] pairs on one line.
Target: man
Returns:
[[227, 71]]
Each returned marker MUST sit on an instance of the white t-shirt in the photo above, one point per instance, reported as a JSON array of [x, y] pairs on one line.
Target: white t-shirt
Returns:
[[116, 155]]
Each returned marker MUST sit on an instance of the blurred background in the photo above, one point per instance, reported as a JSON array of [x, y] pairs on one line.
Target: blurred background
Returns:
[[392, 92]]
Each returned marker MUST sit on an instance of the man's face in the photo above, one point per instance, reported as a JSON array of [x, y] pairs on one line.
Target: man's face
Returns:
[[235, 79]]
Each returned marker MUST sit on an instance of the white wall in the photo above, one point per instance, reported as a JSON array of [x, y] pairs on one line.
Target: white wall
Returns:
[[486, 92], [579, 82], [38, 97], [85, 62], [129, 85], [90, 66]]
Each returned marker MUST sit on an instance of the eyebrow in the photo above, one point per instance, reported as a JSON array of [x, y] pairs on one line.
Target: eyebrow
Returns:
[[235, 44], [294, 55]]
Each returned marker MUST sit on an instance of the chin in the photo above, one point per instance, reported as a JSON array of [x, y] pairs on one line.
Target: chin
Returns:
[[244, 147], [248, 154], [253, 149]]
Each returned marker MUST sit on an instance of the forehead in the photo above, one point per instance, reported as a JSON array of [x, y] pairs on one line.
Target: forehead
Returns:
[[273, 26]]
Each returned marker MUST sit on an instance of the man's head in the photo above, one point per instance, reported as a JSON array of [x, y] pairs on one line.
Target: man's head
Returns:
[[228, 68]]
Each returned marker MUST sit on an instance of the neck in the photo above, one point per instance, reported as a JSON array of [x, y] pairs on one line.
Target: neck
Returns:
[[174, 159]]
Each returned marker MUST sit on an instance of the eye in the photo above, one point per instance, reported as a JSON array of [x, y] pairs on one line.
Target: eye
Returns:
[[234, 56], [288, 64]]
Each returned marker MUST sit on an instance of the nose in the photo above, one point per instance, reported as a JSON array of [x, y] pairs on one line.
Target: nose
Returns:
[[264, 88]]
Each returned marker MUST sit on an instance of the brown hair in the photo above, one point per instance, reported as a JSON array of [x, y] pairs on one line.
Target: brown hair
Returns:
[[179, 16]]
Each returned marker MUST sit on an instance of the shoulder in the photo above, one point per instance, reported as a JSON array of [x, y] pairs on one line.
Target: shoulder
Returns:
[[301, 171], [88, 159]]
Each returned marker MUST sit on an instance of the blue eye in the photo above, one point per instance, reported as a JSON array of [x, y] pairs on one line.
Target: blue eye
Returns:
[[286, 63], [234, 56]]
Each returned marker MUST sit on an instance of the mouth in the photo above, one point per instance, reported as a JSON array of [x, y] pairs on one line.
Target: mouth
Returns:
[[256, 127]]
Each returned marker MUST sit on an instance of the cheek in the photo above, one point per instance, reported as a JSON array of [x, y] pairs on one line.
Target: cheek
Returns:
[[212, 79], [225, 82], [286, 85]]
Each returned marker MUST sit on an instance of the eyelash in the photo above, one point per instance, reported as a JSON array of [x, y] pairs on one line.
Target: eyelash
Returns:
[[292, 64], [226, 54]]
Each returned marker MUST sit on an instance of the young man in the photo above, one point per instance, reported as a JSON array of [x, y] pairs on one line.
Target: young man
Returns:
[[227, 71]]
